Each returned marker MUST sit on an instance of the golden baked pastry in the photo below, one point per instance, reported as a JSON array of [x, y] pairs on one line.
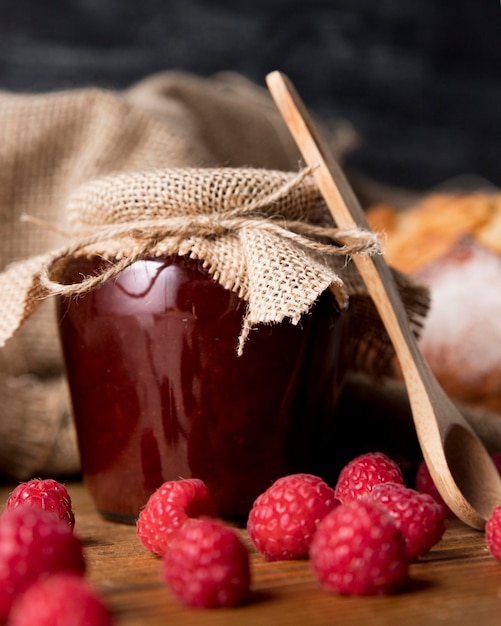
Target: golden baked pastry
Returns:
[[452, 244], [415, 236]]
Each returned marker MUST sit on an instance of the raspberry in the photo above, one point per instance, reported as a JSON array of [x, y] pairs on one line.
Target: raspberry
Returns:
[[34, 542], [424, 484], [167, 510], [361, 474], [45, 494], [207, 565], [284, 518], [493, 533], [358, 550], [420, 519], [60, 600]]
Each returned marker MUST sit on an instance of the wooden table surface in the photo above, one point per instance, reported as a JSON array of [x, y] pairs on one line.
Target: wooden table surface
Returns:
[[457, 583]]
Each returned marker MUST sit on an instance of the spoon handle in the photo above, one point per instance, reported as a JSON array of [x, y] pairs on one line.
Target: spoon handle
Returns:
[[460, 465], [347, 213]]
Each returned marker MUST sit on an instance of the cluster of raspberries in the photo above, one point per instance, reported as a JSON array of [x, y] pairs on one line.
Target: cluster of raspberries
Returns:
[[42, 563], [360, 536]]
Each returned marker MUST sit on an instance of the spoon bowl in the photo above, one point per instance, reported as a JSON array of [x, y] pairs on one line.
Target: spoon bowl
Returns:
[[460, 465]]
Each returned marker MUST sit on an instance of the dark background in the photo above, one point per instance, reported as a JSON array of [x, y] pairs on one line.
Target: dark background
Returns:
[[419, 79]]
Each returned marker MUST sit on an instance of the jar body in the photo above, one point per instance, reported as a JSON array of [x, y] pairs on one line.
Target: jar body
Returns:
[[159, 392]]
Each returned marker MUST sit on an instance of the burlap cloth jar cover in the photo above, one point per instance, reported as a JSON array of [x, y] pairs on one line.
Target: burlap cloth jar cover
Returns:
[[176, 165]]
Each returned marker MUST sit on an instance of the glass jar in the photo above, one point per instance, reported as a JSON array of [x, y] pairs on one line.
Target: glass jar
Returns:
[[159, 392]]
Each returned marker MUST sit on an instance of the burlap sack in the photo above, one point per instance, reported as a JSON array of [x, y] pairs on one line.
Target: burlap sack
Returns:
[[203, 167]]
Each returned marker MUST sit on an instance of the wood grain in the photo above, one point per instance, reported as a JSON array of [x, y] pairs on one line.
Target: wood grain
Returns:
[[458, 583]]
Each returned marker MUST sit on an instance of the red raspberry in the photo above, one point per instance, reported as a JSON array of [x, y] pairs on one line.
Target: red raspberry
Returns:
[[33, 543], [358, 550], [60, 600], [424, 484], [420, 519], [207, 565], [493, 533], [284, 518], [361, 474], [167, 510], [45, 494]]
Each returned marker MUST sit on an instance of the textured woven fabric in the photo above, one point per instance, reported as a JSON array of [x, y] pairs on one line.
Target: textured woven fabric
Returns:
[[260, 233]]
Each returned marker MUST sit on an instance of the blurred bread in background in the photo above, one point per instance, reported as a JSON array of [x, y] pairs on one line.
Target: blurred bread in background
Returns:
[[452, 243]]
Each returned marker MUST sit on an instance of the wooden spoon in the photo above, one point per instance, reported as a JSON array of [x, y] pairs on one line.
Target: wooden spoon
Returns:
[[461, 467]]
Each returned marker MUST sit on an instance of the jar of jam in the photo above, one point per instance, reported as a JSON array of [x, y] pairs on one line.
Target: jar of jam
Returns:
[[159, 392]]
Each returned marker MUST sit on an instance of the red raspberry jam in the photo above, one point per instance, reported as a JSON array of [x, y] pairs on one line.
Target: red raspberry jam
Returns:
[[159, 392]]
